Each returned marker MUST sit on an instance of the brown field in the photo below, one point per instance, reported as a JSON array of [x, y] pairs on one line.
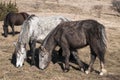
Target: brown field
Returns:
[[76, 10]]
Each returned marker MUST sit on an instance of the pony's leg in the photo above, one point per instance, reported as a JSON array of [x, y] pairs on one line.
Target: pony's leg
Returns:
[[67, 60], [32, 45], [66, 54], [80, 63], [100, 53], [13, 32], [102, 61], [5, 29], [93, 58]]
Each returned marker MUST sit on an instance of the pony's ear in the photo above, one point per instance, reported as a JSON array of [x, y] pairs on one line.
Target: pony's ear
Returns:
[[15, 43]]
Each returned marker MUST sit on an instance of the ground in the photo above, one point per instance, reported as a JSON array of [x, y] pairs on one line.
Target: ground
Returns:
[[75, 10]]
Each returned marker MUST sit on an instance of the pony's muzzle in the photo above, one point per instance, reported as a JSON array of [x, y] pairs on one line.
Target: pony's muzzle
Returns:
[[17, 66], [20, 65], [42, 67]]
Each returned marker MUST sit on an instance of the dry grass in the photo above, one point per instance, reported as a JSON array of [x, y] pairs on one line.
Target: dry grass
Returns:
[[54, 72]]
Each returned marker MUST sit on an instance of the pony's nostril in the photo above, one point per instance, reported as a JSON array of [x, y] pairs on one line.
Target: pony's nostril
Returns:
[[18, 66]]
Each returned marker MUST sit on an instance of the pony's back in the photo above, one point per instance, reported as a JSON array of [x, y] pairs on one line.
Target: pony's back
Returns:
[[39, 27], [25, 15]]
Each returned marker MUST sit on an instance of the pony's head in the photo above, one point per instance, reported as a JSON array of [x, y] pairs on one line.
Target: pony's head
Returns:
[[20, 51], [44, 58], [5, 29]]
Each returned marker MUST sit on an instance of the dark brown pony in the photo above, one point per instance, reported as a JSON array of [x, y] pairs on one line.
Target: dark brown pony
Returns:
[[12, 19], [74, 35]]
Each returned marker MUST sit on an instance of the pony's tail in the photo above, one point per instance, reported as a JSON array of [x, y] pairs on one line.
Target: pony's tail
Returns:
[[101, 43], [104, 37], [98, 38], [101, 38]]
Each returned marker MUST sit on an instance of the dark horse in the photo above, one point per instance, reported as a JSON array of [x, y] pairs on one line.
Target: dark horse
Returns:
[[12, 19], [71, 36]]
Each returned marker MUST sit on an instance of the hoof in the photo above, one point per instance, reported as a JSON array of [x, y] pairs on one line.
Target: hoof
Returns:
[[66, 70], [82, 69], [13, 34], [103, 72], [87, 72], [32, 63]]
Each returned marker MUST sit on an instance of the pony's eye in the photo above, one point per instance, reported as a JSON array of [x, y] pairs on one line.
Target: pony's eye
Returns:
[[18, 55]]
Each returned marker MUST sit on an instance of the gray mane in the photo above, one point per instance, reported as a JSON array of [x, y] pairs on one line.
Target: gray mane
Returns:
[[23, 37]]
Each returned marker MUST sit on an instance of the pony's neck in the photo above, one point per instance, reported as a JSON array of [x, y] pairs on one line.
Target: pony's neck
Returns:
[[23, 38], [49, 44]]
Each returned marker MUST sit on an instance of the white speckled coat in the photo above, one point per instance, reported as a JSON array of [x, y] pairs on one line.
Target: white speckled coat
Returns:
[[39, 27]]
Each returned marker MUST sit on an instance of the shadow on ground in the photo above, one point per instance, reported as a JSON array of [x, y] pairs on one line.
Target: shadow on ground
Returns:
[[10, 33]]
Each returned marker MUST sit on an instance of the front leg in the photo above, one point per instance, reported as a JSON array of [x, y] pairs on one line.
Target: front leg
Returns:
[[32, 45], [66, 53]]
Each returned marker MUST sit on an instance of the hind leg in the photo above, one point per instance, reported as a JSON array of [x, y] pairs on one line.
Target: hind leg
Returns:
[[93, 58], [13, 32], [100, 52], [102, 62]]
